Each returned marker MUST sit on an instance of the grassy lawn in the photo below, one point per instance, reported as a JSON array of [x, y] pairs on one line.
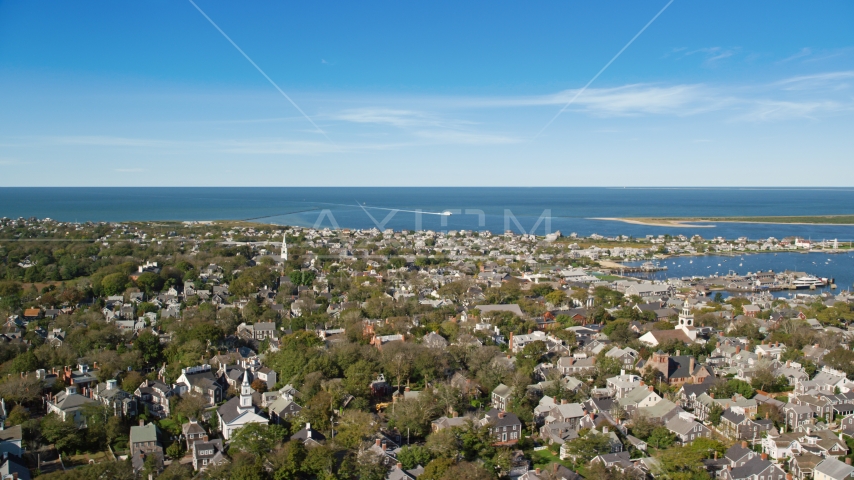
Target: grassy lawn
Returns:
[[170, 426], [607, 278], [543, 458], [84, 458]]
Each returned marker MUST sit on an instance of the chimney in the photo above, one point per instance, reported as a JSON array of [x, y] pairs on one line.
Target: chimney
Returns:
[[308, 430], [789, 476], [847, 460], [744, 444], [399, 466], [738, 349], [406, 389], [142, 423], [641, 384], [378, 442], [788, 363], [764, 456], [500, 414], [716, 455], [383, 445], [537, 470], [563, 401], [691, 364], [712, 394], [650, 388], [729, 467], [554, 467], [591, 415]]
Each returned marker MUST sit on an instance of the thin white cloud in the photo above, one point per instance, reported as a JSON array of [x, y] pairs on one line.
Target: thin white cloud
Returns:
[[770, 110], [650, 99], [804, 52], [628, 100], [401, 118], [110, 141], [466, 138], [821, 81], [712, 54]]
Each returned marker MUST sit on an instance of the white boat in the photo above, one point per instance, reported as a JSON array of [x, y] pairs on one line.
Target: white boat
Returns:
[[809, 281]]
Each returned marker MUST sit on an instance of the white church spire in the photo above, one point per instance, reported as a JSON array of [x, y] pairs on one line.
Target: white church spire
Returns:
[[285, 247], [245, 392]]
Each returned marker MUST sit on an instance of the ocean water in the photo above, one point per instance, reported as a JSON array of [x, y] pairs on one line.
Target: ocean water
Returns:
[[533, 210]]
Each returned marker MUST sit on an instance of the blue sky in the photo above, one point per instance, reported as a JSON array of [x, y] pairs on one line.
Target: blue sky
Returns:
[[426, 93]]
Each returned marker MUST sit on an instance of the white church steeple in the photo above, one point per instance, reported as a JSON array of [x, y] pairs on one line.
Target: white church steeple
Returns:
[[285, 247], [245, 392]]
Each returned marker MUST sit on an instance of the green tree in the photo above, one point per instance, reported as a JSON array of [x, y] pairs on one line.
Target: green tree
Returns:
[[410, 456], [149, 282], [122, 470], [682, 464], [763, 378], [353, 427], [114, 283], [132, 380], [642, 426], [64, 435], [258, 439], [176, 471], [175, 451], [287, 463], [436, 469], [414, 415], [357, 379], [661, 438], [586, 447], [148, 345], [841, 359], [469, 471], [556, 297], [715, 414], [25, 362], [17, 416]]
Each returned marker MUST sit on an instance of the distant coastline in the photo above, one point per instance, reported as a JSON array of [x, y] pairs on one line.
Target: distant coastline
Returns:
[[656, 222], [838, 220]]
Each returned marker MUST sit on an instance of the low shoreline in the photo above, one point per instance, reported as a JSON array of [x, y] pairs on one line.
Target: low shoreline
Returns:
[[654, 222]]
